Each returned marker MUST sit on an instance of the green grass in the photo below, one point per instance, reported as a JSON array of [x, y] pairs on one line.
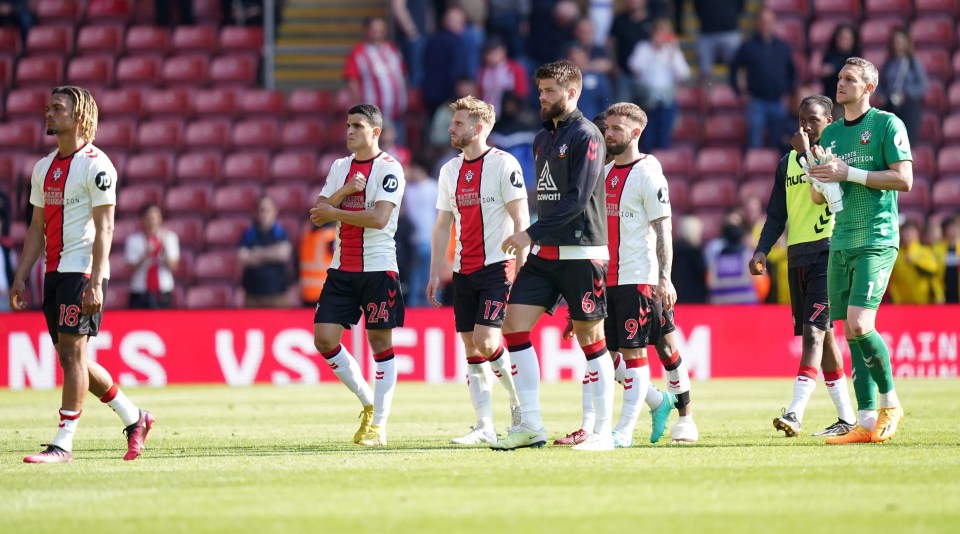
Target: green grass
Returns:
[[272, 459]]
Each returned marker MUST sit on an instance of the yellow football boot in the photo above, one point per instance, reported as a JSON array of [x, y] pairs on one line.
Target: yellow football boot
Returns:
[[888, 419], [858, 434], [366, 416]]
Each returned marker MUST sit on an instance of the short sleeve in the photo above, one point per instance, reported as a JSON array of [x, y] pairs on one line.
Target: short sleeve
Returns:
[[36, 185], [511, 180], [896, 146], [656, 193], [171, 245], [443, 188], [391, 184], [102, 182], [134, 248]]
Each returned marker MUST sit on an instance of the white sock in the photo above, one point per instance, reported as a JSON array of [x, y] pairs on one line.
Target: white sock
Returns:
[[654, 397], [68, 427], [803, 387], [601, 389], [837, 389], [502, 369], [889, 399], [385, 379], [867, 419], [678, 380], [348, 371], [527, 382], [119, 403], [481, 390], [636, 384], [619, 368], [589, 414]]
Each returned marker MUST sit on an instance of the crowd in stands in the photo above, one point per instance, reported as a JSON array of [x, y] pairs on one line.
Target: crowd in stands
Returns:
[[206, 150]]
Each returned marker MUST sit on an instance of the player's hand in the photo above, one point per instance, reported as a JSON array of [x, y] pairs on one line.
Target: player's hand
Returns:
[[668, 293], [92, 301], [322, 214], [568, 329], [758, 263], [835, 171], [433, 291], [800, 142], [516, 242], [18, 292], [356, 183]]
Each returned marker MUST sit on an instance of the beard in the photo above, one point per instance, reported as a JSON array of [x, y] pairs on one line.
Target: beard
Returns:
[[460, 141], [552, 111], [617, 148], [51, 131]]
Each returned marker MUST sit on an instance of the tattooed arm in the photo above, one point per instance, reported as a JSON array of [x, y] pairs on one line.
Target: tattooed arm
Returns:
[[664, 231]]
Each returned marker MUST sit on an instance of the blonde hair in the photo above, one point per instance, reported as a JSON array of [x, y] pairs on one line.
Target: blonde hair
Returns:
[[477, 109], [630, 111], [84, 110]]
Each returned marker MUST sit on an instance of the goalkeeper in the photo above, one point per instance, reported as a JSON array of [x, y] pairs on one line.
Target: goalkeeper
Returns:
[[808, 248]]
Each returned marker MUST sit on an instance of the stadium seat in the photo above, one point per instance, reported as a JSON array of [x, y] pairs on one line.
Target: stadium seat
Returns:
[[325, 162], [818, 36], [876, 55], [756, 188], [26, 103], [837, 9], [946, 194], [290, 198], [789, 9], [294, 167], [132, 197], [138, 71], [148, 40], [935, 99], [8, 170], [10, 41], [679, 195], [951, 8], [195, 40], [21, 135], [725, 129], [168, 103], [951, 129], [722, 98], [88, 71], [120, 103], [876, 31], [116, 135], [122, 229], [304, 103], [924, 163], [18, 234], [207, 11], [186, 71], [225, 232], [149, 168], [918, 197], [6, 72], [314, 192], [118, 11], [218, 102], [117, 296], [933, 32], [688, 130], [57, 11], [233, 71], [793, 31], [953, 95], [213, 296], [948, 162], [676, 162], [246, 167], [160, 134], [305, 134], [235, 199], [202, 167], [241, 39], [930, 131], [761, 163], [291, 224], [714, 163], [713, 193], [895, 9], [106, 39], [937, 63], [188, 200], [189, 228], [183, 274], [260, 102], [208, 134], [689, 98], [712, 219], [45, 72], [255, 134]]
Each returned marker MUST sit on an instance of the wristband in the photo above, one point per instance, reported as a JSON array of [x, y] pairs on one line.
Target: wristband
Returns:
[[857, 175]]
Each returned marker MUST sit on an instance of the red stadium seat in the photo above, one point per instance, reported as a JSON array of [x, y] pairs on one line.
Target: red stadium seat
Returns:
[[924, 163], [930, 131], [117, 296], [8, 170], [20, 136], [677, 162], [900, 9], [837, 9], [120, 103], [109, 10], [303, 103], [225, 232], [120, 270], [214, 296], [951, 129], [148, 40], [953, 95], [713, 193], [689, 98], [168, 103], [325, 162], [793, 31], [195, 39], [290, 198], [950, 8], [679, 195], [933, 32], [199, 167], [90, 70], [820, 32], [715, 163], [160, 135], [218, 102], [946, 194], [935, 99], [132, 197], [6, 71], [239, 199], [241, 39], [208, 133], [295, 167], [258, 102], [27, 103], [725, 129], [106, 39], [291, 224], [116, 135], [149, 168], [122, 229], [58, 11], [306, 134], [186, 71], [759, 188], [761, 163], [46, 72], [789, 9], [688, 130], [10, 41], [876, 55], [876, 32], [722, 98], [233, 71], [188, 228], [948, 161], [187, 199], [138, 71], [936, 61], [252, 167], [255, 134], [918, 197], [50, 40]]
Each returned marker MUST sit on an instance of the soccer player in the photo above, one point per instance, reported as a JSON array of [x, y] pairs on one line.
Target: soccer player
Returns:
[[872, 163], [808, 249], [74, 194], [362, 193], [482, 190], [569, 259]]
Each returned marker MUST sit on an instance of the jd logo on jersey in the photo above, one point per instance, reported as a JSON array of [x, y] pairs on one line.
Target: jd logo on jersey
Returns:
[[516, 178], [390, 183], [103, 181], [663, 195]]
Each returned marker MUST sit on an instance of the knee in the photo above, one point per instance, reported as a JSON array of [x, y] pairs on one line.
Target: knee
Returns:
[[857, 326], [325, 344], [812, 337], [485, 345], [380, 343]]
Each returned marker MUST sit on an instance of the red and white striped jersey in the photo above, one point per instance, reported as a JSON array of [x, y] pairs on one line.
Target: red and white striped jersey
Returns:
[[67, 189], [477, 192], [366, 249], [637, 194], [380, 71]]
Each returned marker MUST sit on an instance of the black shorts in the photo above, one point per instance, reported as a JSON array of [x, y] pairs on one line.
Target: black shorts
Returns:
[[347, 296], [581, 282], [808, 295], [481, 296], [635, 318], [62, 301]]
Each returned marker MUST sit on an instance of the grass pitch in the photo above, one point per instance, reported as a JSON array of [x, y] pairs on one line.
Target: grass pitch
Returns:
[[280, 459]]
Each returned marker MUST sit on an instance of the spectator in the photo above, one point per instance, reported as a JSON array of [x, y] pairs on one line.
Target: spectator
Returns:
[[316, 253], [915, 270], [164, 11], [551, 30], [374, 72], [410, 17], [264, 255], [719, 32], [500, 74], [728, 278], [474, 31], [389, 142], [508, 20], [596, 94], [629, 29], [419, 203], [240, 12], [439, 136], [514, 132], [689, 269], [768, 77], [948, 249], [584, 35], [444, 60], [16, 13], [8, 266], [903, 81], [658, 66], [933, 238], [153, 253], [844, 43]]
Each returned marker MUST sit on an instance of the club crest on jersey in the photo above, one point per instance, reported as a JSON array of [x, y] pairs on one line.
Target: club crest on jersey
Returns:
[[563, 151], [614, 182], [865, 138], [468, 177], [57, 174]]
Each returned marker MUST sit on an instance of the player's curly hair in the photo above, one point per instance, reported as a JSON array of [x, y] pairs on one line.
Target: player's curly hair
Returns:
[[84, 109], [565, 73], [371, 112], [870, 74], [818, 100], [477, 109], [630, 111]]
